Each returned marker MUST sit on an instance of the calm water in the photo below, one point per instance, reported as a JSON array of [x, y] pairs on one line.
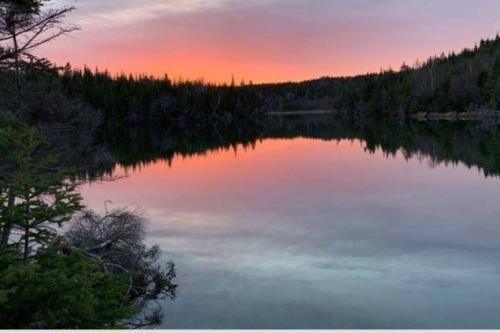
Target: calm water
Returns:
[[307, 233]]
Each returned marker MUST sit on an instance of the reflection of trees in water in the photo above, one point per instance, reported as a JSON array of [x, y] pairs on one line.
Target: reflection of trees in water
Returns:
[[475, 144]]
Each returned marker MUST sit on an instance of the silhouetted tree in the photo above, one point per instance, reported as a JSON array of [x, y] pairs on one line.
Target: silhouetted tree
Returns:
[[25, 25]]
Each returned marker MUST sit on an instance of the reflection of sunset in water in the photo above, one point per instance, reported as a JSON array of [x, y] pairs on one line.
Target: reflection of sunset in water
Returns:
[[322, 224]]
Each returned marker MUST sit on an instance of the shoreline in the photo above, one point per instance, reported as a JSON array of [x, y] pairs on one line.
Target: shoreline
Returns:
[[457, 116], [422, 116], [300, 112]]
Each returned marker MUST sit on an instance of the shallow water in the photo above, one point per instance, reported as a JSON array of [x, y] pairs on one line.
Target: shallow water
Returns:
[[308, 233]]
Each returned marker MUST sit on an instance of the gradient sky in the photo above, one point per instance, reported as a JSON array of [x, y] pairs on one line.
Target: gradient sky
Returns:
[[268, 40]]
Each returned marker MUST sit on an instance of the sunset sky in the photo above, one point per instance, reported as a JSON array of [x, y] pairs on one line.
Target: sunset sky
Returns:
[[268, 40]]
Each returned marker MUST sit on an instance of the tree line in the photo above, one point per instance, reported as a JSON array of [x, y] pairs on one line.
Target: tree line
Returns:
[[131, 100], [39, 91], [465, 82]]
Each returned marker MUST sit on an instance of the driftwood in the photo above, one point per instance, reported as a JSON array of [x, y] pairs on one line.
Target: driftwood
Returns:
[[116, 240]]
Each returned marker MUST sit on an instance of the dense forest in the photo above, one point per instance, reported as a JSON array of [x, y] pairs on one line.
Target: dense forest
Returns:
[[464, 82], [44, 94]]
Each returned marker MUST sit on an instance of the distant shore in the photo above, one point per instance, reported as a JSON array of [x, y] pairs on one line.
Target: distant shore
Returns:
[[299, 112], [421, 116], [457, 116]]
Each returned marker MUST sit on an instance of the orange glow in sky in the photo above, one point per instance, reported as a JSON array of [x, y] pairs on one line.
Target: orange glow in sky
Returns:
[[267, 40]]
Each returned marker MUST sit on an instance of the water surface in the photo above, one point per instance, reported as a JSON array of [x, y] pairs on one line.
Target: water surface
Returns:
[[312, 233]]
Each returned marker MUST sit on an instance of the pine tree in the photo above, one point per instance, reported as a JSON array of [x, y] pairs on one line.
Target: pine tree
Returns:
[[37, 196]]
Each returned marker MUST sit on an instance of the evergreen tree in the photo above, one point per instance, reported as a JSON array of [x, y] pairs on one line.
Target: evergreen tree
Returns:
[[37, 196], [54, 291]]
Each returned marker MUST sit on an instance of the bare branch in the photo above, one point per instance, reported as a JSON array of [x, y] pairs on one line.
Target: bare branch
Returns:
[[53, 16], [48, 39]]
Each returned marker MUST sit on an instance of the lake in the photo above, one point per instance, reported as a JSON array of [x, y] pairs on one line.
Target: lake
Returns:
[[370, 228]]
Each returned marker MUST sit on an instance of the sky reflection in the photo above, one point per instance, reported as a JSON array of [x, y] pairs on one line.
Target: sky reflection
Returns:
[[319, 234]]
